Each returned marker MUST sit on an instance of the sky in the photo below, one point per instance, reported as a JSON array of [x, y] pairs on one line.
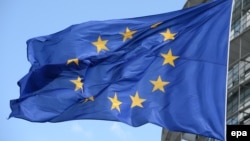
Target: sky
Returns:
[[21, 20]]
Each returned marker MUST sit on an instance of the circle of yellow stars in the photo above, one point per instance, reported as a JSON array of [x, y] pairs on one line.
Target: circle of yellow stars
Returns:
[[136, 99]]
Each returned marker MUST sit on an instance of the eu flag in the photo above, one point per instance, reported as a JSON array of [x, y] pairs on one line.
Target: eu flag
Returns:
[[167, 69]]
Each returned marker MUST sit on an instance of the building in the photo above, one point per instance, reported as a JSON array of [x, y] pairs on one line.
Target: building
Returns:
[[238, 96]]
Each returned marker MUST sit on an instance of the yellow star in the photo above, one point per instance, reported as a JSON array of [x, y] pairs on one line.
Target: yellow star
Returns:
[[89, 99], [115, 103], [159, 84], [128, 34], [136, 100], [156, 25], [168, 35], [100, 44], [75, 60], [169, 58], [78, 83]]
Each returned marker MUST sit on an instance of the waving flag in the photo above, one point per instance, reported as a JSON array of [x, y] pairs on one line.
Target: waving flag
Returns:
[[167, 69]]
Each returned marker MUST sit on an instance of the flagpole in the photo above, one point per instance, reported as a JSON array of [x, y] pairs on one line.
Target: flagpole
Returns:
[[225, 120]]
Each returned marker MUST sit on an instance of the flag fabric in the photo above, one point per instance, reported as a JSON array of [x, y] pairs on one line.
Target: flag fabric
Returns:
[[167, 69]]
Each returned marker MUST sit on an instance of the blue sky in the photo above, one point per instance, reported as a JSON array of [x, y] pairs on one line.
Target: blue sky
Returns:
[[21, 20]]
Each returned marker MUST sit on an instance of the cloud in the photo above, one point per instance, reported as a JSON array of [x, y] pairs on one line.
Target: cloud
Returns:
[[119, 132], [78, 129]]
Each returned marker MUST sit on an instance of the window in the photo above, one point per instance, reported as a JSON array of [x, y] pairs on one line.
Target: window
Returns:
[[230, 80], [232, 103], [233, 120]]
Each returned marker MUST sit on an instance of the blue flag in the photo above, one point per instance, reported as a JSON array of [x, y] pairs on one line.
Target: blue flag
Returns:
[[167, 69]]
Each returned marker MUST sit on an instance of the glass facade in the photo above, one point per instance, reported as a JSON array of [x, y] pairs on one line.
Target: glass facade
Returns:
[[241, 18], [238, 100]]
